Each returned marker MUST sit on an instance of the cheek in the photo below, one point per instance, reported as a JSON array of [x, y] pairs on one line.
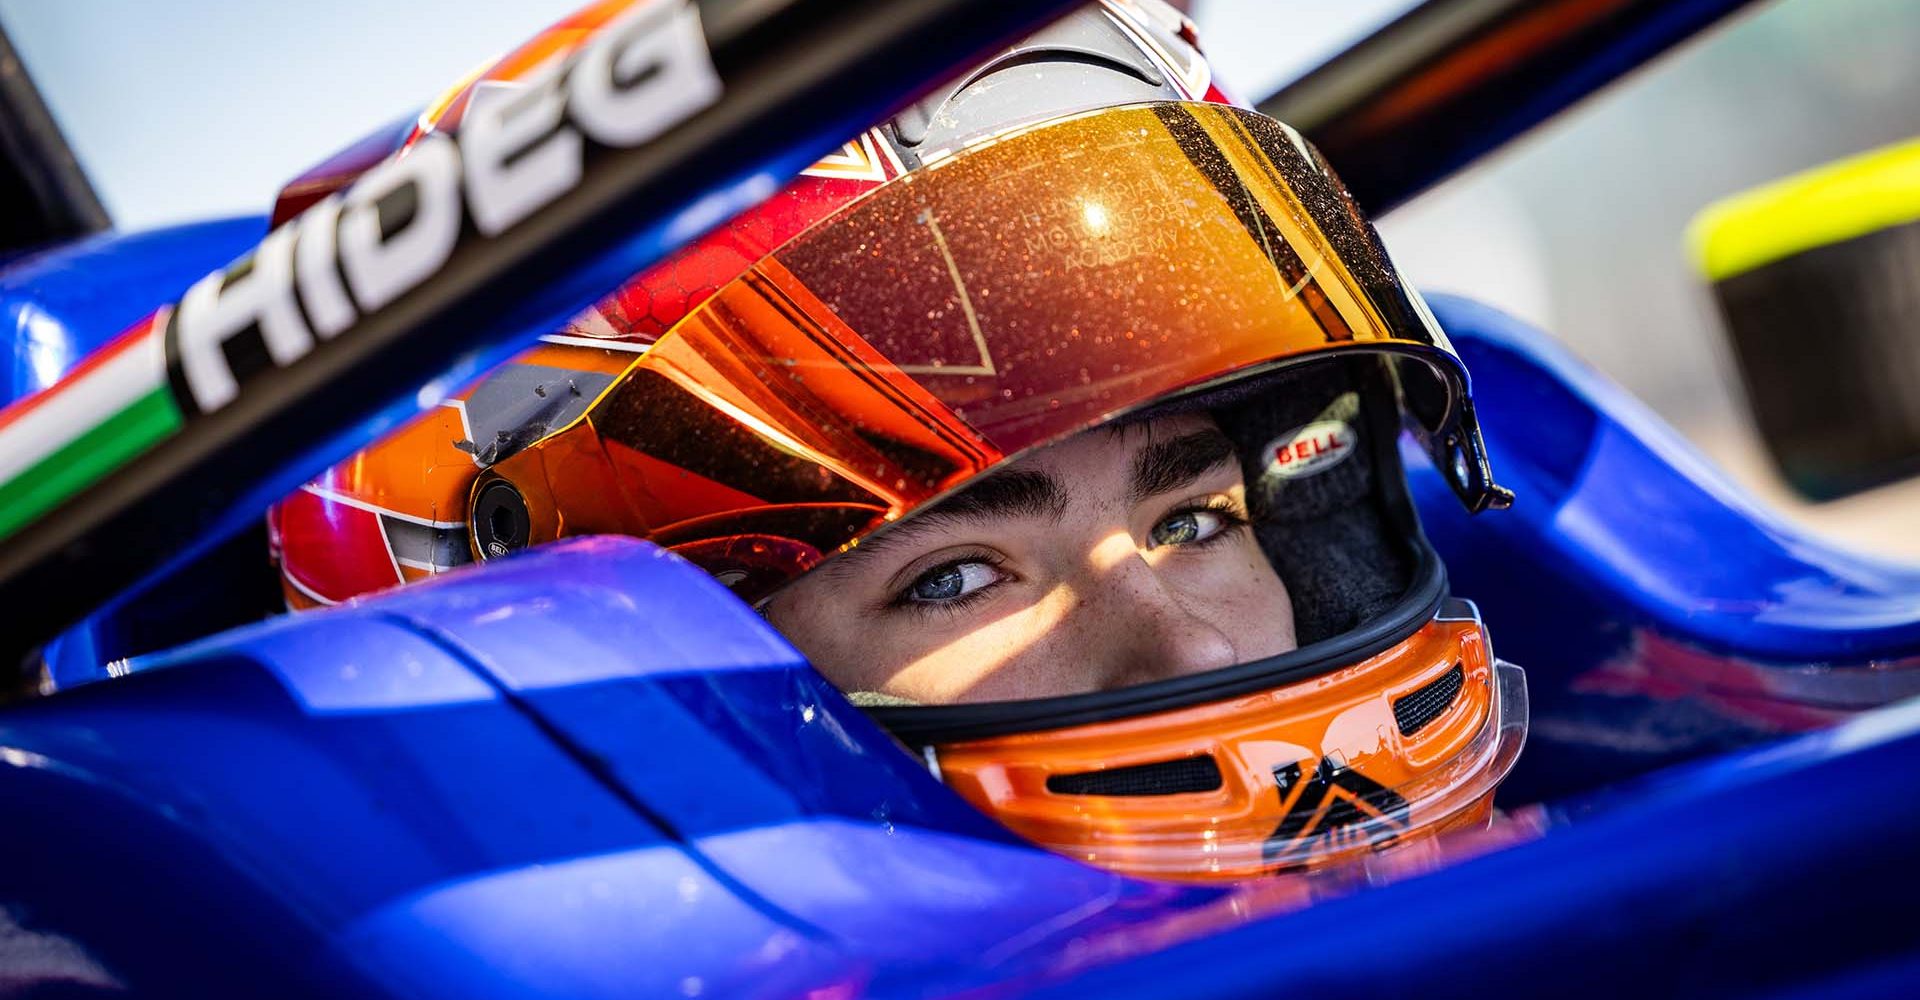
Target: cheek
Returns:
[[828, 636], [1002, 657], [929, 659], [1236, 589]]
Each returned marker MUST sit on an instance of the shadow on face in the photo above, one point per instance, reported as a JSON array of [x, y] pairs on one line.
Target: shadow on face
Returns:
[[1119, 556]]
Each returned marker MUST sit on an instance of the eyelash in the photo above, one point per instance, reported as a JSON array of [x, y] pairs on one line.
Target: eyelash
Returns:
[[903, 601], [1229, 512], [1235, 520]]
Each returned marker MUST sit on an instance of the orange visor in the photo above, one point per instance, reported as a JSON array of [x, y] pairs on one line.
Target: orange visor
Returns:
[[995, 301]]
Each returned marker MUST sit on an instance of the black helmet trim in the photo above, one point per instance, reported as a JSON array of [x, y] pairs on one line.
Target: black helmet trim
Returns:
[[920, 725]]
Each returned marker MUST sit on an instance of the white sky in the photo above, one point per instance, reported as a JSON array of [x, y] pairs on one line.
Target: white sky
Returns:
[[186, 109]]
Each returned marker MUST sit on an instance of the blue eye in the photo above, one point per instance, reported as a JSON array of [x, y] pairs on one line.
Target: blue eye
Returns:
[[951, 582], [1187, 527]]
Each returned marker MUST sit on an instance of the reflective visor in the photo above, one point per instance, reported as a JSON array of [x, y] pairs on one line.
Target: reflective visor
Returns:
[[997, 300]]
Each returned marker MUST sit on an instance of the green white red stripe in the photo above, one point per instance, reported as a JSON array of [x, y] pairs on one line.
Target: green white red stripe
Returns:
[[64, 438]]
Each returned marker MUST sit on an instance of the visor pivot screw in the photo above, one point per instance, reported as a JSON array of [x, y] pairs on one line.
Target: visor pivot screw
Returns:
[[500, 520]]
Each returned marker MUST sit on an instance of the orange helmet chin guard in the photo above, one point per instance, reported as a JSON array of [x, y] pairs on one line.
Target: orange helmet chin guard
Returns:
[[1404, 745]]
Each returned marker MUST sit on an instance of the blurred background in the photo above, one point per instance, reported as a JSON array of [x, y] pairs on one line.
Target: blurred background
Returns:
[[197, 108], [1580, 227]]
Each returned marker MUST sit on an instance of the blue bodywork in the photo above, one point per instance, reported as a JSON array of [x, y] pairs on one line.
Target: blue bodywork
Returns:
[[1660, 613], [589, 771]]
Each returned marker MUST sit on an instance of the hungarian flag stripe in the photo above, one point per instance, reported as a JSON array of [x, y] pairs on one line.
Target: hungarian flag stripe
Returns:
[[64, 438]]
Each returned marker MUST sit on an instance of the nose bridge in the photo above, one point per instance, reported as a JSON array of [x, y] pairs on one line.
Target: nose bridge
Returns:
[[1148, 631]]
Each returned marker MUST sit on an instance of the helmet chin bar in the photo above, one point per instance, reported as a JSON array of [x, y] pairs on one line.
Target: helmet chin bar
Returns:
[[1458, 795], [1402, 746]]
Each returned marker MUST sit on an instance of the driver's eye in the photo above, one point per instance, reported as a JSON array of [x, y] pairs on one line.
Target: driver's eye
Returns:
[[954, 580], [1186, 527]]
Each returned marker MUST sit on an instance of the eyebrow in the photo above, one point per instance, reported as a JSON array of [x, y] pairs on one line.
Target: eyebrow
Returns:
[[1006, 494], [1159, 467], [1166, 466]]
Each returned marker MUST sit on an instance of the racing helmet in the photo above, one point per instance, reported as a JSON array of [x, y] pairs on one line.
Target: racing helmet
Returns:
[[1017, 264]]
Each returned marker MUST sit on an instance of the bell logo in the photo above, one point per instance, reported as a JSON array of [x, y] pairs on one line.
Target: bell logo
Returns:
[[1311, 449]]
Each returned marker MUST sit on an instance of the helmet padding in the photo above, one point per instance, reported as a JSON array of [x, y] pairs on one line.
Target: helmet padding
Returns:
[[1343, 546]]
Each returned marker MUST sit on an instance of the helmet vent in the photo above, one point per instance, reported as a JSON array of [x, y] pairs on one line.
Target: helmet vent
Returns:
[[1415, 710], [1165, 777]]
